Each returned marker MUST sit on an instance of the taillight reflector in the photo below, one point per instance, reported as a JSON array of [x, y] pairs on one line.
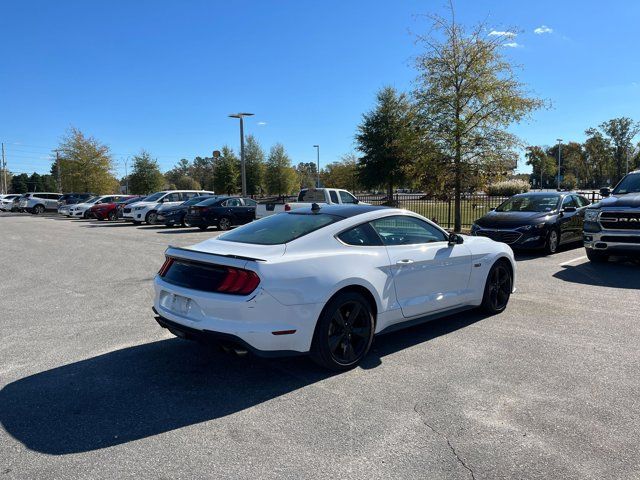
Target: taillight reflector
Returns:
[[239, 281], [165, 266], [287, 207]]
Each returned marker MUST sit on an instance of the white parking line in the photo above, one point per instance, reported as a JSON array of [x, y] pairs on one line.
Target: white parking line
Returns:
[[571, 261]]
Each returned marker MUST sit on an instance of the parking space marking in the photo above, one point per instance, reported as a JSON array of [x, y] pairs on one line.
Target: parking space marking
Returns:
[[571, 261]]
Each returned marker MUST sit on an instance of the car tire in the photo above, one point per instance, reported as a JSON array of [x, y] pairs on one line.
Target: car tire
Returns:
[[85, 215], [112, 217], [224, 223], [203, 227], [339, 341], [553, 242], [38, 210], [135, 222], [497, 289], [151, 218], [596, 257]]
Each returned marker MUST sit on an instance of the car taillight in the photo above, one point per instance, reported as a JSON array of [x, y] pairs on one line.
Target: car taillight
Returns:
[[287, 207], [239, 281], [165, 266]]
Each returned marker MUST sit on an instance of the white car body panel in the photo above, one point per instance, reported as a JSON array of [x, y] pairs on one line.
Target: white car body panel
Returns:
[[300, 277], [6, 202], [139, 210]]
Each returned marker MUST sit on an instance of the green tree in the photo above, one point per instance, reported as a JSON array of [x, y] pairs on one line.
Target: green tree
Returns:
[[19, 183], [227, 172], [202, 171], [86, 164], [543, 165], [620, 133], [254, 165], [387, 139], [145, 176], [307, 174], [178, 173], [599, 158], [342, 174], [468, 95], [280, 177]]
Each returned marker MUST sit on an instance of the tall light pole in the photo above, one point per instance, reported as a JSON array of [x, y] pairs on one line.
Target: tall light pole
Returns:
[[317, 147], [243, 172], [559, 157]]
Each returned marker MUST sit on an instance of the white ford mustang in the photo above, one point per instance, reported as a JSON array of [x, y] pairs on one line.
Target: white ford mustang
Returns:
[[325, 280]]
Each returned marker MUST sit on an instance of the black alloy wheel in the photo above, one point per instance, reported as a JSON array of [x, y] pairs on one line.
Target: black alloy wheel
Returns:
[[553, 242], [224, 223], [38, 210], [497, 290], [344, 332]]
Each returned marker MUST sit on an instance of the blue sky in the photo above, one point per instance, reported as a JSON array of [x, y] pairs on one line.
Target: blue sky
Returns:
[[164, 75]]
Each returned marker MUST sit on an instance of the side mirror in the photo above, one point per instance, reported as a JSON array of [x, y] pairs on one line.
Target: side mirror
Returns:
[[455, 239], [569, 209], [605, 191], [356, 201]]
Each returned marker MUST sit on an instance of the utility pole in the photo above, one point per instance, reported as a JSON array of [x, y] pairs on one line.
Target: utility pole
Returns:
[[317, 147], [58, 168], [5, 188], [243, 172], [559, 157]]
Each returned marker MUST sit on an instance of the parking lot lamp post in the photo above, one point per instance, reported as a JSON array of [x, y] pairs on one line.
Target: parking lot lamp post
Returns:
[[242, 165], [559, 157], [317, 147]]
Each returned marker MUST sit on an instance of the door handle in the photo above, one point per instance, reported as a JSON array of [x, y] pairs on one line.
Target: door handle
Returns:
[[405, 261]]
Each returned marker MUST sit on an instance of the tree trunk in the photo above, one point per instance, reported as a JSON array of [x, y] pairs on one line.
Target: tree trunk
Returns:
[[457, 165], [390, 192]]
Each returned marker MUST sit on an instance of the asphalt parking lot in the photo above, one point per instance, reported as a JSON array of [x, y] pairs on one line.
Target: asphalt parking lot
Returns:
[[91, 387]]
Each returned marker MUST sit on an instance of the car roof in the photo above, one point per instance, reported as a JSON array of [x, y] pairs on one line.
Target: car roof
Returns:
[[344, 211]]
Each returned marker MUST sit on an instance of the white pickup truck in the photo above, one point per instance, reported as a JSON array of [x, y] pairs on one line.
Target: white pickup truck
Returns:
[[306, 197]]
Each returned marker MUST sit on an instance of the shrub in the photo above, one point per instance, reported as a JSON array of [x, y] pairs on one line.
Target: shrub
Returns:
[[508, 188]]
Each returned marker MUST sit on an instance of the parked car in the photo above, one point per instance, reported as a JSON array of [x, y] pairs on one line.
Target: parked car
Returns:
[[533, 220], [120, 206], [107, 209], [172, 215], [612, 225], [39, 202], [222, 212], [6, 202], [83, 210], [146, 210], [307, 196], [72, 198], [324, 280]]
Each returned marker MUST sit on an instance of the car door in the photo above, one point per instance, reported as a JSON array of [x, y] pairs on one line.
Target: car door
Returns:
[[429, 274], [234, 211], [568, 220], [248, 210]]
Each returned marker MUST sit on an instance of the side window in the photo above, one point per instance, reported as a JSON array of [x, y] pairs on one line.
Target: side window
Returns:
[[346, 197], [250, 203], [233, 202], [188, 195], [569, 202], [172, 197], [333, 196], [582, 201], [106, 200], [406, 230], [363, 235]]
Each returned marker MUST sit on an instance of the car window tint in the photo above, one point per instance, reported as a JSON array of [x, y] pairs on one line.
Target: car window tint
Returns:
[[172, 197], [362, 235], [233, 202], [406, 230], [346, 197], [280, 228], [188, 195], [250, 203], [569, 201], [311, 195], [334, 196], [582, 201]]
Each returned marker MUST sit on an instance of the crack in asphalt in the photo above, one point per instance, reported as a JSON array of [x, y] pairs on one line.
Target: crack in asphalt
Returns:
[[460, 460]]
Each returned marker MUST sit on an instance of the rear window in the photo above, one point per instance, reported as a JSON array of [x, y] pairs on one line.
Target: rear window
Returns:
[[280, 228], [311, 195]]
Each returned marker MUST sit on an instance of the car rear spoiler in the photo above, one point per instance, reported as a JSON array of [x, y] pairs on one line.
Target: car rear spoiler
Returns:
[[225, 255]]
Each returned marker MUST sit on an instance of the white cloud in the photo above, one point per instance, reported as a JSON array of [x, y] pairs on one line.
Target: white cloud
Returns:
[[498, 33], [542, 29], [262, 124], [511, 45]]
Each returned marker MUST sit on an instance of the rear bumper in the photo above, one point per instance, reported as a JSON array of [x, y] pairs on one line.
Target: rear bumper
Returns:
[[197, 221], [250, 320]]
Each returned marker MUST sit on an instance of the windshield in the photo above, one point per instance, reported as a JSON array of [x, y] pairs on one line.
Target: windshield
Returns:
[[154, 197], [280, 228], [629, 184], [92, 200], [530, 203], [194, 200]]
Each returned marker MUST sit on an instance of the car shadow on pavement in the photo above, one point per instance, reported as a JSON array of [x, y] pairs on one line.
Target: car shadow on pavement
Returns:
[[615, 274], [526, 255], [188, 230], [148, 389]]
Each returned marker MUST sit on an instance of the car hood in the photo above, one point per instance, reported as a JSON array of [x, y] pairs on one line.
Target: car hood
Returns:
[[142, 204], [629, 200], [82, 205], [511, 219]]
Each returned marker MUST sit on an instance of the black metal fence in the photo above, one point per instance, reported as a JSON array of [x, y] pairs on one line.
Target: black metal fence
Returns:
[[441, 209]]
